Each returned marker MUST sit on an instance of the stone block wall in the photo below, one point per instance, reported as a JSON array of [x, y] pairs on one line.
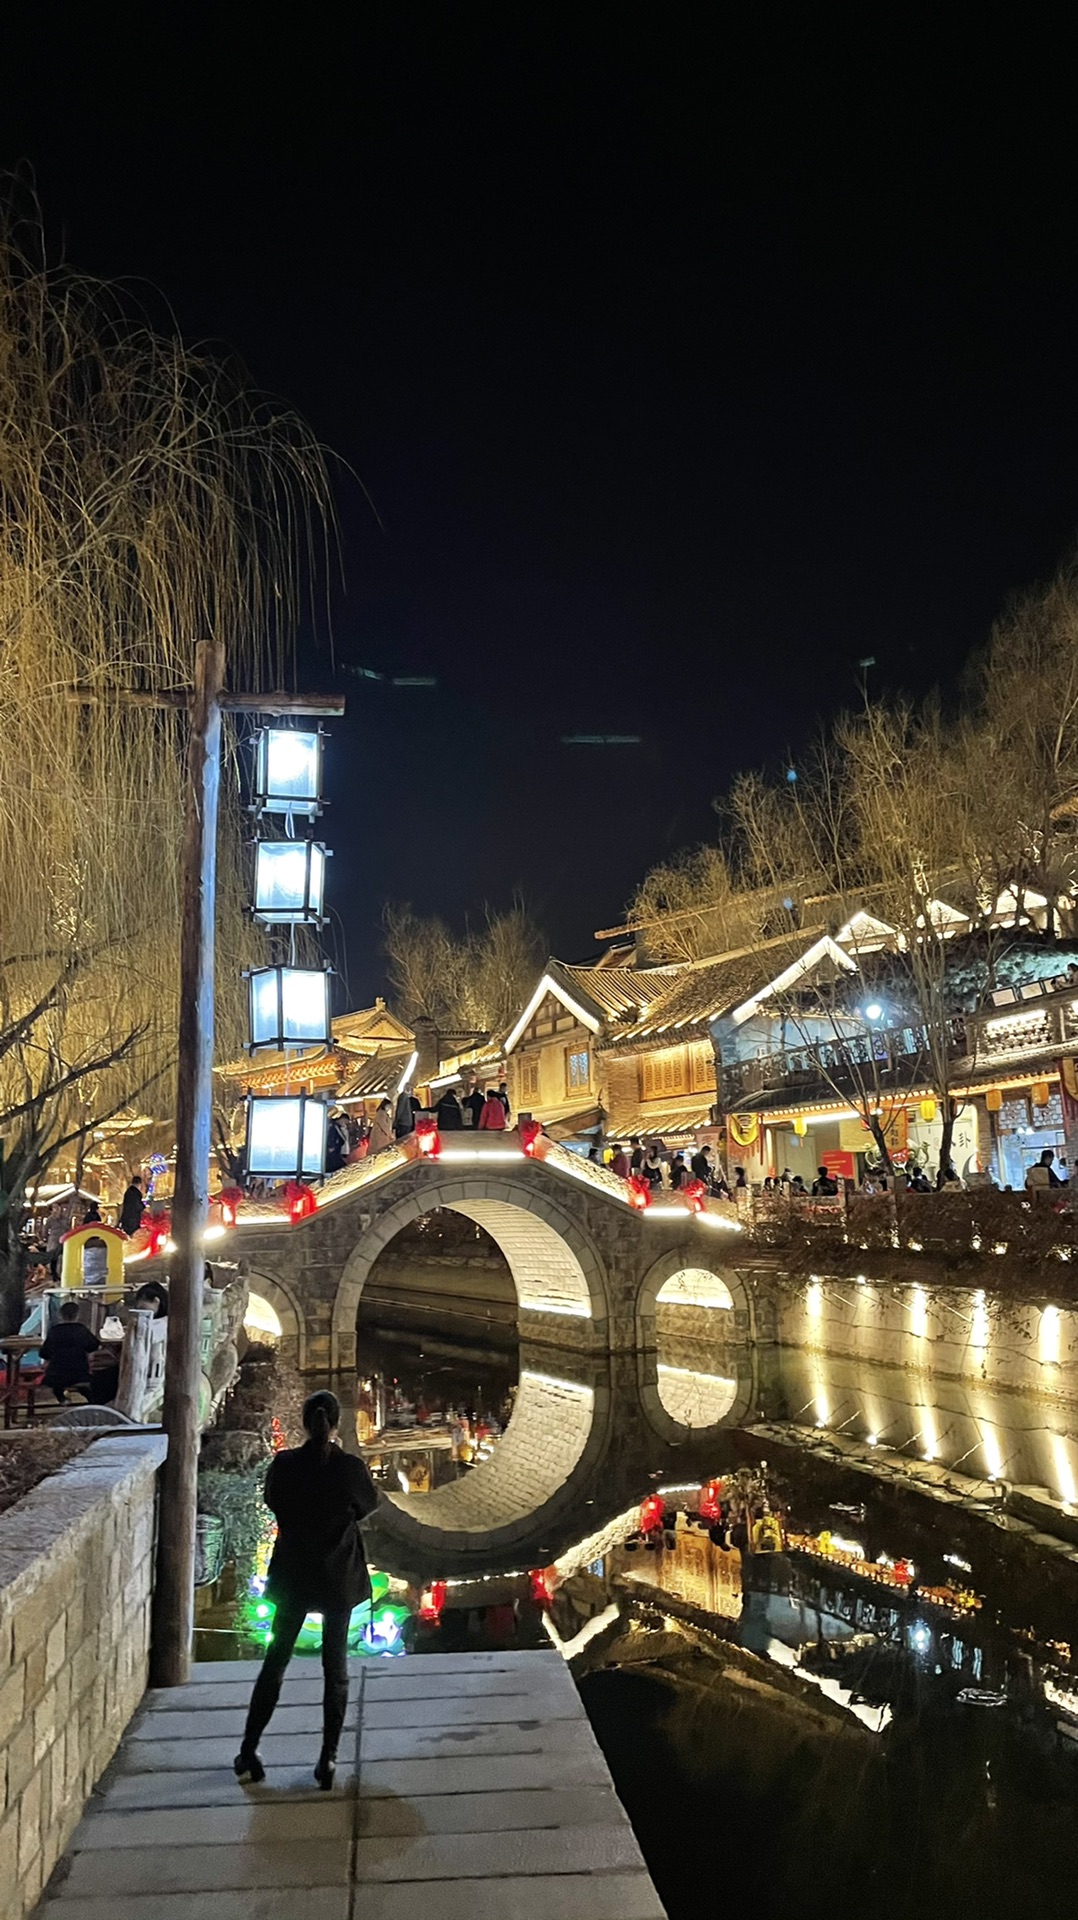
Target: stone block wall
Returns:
[[76, 1577]]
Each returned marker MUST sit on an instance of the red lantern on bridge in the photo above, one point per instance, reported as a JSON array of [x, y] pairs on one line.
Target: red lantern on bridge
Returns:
[[695, 1194], [300, 1200], [427, 1137], [639, 1192], [230, 1199], [529, 1132]]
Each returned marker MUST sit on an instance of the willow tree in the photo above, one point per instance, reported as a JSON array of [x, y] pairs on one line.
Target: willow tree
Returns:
[[148, 498]]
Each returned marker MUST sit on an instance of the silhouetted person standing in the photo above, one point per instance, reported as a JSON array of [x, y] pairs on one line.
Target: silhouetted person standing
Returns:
[[318, 1494]]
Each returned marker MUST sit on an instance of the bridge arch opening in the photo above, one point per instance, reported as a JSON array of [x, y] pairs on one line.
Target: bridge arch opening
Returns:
[[558, 1417]]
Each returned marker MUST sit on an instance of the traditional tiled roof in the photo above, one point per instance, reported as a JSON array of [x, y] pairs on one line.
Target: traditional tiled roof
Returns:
[[615, 992], [381, 1074], [700, 992], [370, 1030]]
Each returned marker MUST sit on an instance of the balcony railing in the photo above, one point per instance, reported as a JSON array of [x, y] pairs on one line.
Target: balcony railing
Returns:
[[886, 1056]]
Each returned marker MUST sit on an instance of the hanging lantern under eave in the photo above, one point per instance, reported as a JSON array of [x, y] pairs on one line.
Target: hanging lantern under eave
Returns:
[[993, 1100], [288, 771], [801, 1126], [289, 1007], [928, 1111], [1040, 1093], [286, 1136], [290, 879]]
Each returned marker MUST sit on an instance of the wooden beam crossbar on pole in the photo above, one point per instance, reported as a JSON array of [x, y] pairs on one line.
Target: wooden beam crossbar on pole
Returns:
[[326, 706]]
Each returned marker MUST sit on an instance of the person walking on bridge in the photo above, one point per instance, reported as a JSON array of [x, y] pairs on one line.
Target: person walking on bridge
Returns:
[[318, 1494]]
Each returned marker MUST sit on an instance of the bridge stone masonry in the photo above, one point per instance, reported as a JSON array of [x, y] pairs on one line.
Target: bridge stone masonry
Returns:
[[587, 1266], [597, 1282]]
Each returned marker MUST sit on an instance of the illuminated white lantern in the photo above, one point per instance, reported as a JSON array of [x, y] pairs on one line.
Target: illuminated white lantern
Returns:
[[286, 1136], [288, 771], [290, 877], [289, 1007]]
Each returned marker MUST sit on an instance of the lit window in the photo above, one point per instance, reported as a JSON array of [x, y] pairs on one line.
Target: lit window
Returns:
[[579, 1070]]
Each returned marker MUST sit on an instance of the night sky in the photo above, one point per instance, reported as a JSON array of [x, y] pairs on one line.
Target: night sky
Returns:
[[685, 363]]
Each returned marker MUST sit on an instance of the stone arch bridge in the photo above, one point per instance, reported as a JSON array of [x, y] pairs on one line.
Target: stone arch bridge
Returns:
[[593, 1276]]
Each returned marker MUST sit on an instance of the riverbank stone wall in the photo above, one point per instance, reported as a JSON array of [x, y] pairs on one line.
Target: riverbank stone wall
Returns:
[[76, 1576]]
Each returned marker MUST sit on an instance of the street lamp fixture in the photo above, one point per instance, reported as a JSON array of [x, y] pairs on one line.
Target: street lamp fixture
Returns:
[[289, 1007], [290, 878], [286, 1136], [288, 771]]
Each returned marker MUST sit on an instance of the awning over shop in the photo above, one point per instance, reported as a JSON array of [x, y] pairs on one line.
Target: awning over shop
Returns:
[[574, 1126], [676, 1123]]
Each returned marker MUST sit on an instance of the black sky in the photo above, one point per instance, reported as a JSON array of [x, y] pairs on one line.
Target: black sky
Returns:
[[686, 358]]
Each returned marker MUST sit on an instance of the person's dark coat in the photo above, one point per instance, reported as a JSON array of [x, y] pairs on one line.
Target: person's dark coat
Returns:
[[475, 1102], [317, 1498], [66, 1352], [449, 1115], [132, 1208]]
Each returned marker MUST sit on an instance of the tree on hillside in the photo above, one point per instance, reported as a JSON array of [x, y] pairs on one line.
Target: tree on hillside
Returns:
[[475, 982], [147, 499]]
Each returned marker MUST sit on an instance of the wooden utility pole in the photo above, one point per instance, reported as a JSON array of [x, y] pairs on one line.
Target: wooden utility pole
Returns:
[[174, 1590], [174, 1587]]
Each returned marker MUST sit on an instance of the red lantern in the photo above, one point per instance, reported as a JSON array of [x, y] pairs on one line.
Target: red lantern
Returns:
[[710, 1506], [427, 1137], [300, 1200], [541, 1582], [651, 1513], [529, 1132], [639, 1192], [903, 1573], [695, 1193], [160, 1227], [431, 1602], [230, 1200]]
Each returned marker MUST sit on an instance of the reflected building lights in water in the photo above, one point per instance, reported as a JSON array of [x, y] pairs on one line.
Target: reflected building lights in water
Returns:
[[979, 1326], [1050, 1329]]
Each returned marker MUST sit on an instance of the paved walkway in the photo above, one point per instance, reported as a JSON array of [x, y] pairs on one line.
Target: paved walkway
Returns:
[[470, 1787]]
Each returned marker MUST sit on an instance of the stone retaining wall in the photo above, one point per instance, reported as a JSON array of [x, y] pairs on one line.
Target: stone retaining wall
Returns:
[[76, 1575]]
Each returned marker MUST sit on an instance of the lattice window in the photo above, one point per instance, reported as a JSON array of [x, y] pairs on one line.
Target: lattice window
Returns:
[[527, 1079], [702, 1066], [664, 1073], [578, 1070]]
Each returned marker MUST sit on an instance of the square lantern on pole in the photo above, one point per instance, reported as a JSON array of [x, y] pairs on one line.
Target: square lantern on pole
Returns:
[[289, 1007], [288, 771], [286, 1136], [290, 877]]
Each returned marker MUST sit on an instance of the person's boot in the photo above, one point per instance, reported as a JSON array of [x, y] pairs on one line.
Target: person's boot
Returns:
[[327, 1767], [247, 1766]]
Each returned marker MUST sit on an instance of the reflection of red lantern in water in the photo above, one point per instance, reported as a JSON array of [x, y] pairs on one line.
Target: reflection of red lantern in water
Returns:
[[427, 1137], [639, 1192], [528, 1132], [299, 1199], [651, 1512], [541, 1582], [710, 1507], [431, 1602]]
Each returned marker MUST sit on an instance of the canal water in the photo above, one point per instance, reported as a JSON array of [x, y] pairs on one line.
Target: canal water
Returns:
[[875, 1710]]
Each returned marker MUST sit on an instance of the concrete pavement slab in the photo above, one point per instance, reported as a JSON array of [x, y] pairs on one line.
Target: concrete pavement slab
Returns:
[[494, 1811]]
